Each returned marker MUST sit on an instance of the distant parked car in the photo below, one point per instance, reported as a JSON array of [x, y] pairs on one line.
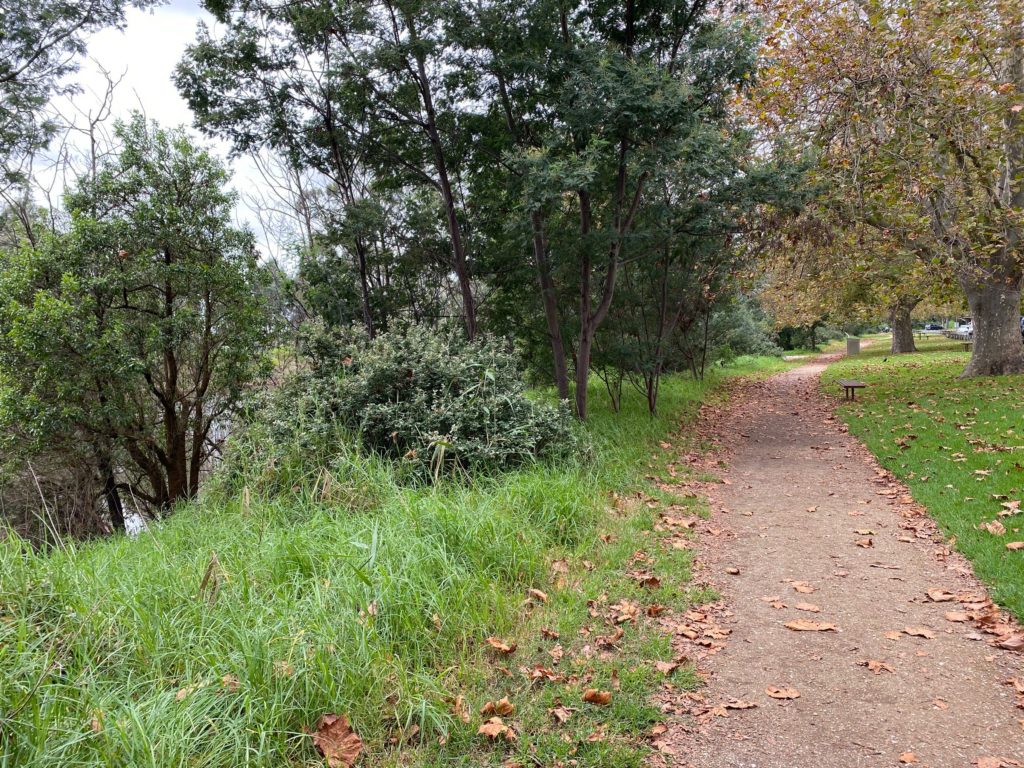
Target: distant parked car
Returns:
[[967, 329], [932, 327]]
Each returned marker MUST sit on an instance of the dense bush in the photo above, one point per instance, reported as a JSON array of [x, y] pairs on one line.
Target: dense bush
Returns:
[[428, 399]]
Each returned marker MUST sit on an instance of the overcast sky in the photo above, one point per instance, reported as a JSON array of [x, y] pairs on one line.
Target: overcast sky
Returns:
[[145, 54]]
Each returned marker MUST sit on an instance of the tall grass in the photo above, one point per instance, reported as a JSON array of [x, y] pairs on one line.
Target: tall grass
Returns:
[[219, 637]]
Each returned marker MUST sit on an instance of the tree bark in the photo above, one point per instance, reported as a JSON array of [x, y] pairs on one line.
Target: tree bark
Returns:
[[994, 300], [902, 326], [550, 299], [110, 494]]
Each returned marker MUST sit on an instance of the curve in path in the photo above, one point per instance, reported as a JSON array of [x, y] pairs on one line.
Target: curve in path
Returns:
[[803, 502]]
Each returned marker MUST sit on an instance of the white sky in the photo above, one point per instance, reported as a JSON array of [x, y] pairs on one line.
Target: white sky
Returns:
[[144, 55]]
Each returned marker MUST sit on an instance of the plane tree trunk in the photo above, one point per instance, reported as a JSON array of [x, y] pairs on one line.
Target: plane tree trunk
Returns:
[[994, 299]]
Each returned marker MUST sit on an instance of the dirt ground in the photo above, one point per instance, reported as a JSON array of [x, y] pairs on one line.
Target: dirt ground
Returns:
[[807, 527]]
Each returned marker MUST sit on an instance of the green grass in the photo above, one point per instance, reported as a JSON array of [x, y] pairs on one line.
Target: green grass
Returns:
[[221, 636], [958, 444]]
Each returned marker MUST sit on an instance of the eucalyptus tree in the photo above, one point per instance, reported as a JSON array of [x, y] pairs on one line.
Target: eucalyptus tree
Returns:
[[587, 101], [357, 91]]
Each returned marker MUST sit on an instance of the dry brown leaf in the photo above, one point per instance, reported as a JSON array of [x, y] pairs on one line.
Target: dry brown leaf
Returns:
[[549, 633], [336, 741], [1014, 642], [937, 595], [1013, 546], [556, 653], [909, 757], [599, 698], [733, 571], [864, 543], [495, 729], [782, 693], [561, 714], [501, 707], [994, 527], [803, 587], [460, 709], [666, 667], [958, 616], [878, 667], [537, 595], [501, 646], [806, 625], [809, 607], [924, 632]]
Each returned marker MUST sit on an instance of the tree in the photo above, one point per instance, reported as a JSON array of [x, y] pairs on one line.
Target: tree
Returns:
[[39, 50], [352, 92], [585, 103], [915, 109], [136, 332]]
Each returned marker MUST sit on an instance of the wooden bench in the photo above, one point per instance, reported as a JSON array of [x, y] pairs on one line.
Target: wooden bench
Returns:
[[850, 387]]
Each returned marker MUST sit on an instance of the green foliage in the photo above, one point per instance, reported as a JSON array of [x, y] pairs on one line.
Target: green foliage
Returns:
[[955, 442], [115, 654], [135, 333], [427, 399]]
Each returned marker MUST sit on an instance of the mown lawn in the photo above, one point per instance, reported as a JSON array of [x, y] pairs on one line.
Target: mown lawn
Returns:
[[222, 635], [958, 444]]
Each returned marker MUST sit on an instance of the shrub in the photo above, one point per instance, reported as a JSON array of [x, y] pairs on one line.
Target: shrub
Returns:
[[427, 399]]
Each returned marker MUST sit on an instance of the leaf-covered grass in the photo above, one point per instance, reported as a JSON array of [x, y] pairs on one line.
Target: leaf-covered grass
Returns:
[[219, 637], [957, 443]]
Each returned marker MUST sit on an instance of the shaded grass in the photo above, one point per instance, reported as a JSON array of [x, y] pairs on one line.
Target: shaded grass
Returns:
[[219, 637], [958, 444]]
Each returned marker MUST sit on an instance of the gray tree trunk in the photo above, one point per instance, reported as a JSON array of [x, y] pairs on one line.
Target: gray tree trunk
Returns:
[[995, 312], [902, 326]]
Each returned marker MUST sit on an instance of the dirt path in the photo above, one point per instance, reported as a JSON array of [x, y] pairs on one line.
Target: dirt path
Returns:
[[798, 495]]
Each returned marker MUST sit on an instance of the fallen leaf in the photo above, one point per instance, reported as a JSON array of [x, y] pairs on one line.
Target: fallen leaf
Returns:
[[495, 728], [893, 635], [1013, 546], [501, 707], [864, 543], [809, 607], [460, 709], [538, 595], [561, 714], [782, 693], [924, 632], [336, 741], [599, 698], [994, 527], [908, 757], [878, 667], [806, 625], [958, 616], [666, 667], [1014, 642], [733, 571], [501, 646], [937, 595], [803, 587]]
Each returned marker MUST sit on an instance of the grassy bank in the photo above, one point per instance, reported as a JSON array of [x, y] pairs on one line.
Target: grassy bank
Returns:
[[221, 636], [958, 444]]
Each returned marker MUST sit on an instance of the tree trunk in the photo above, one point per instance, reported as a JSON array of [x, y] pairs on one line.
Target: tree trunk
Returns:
[[111, 495], [364, 287], [995, 313], [902, 327], [550, 299], [583, 355]]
